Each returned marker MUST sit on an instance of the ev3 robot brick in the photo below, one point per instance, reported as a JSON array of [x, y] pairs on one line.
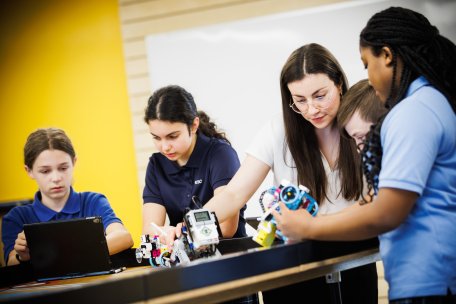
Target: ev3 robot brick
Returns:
[[199, 239]]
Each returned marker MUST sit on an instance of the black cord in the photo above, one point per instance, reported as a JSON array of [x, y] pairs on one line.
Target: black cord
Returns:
[[197, 202], [260, 200]]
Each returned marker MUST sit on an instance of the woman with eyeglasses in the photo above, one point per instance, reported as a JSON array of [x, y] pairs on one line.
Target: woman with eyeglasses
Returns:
[[306, 147]]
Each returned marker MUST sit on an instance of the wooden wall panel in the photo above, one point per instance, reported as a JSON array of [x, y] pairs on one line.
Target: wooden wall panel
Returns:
[[137, 67], [134, 49], [134, 31], [137, 11], [138, 105], [139, 85]]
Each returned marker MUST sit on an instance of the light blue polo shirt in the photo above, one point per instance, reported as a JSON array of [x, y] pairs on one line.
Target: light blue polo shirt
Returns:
[[419, 154], [78, 205]]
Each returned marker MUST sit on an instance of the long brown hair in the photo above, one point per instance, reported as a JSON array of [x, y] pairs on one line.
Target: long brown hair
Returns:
[[300, 134]]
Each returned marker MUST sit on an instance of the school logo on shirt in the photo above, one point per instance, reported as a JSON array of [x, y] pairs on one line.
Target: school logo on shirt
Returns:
[[198, 181]]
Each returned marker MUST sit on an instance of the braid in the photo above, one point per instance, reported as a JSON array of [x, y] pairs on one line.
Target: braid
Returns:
[[372, 158], [423, 51], [174, 104], [389, 101]]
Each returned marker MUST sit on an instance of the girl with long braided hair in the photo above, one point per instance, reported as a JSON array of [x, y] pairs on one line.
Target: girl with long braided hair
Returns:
[[409, 160]]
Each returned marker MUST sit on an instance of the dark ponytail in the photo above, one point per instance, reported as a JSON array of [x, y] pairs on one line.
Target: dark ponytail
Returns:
[[209, 128], [174, 104]]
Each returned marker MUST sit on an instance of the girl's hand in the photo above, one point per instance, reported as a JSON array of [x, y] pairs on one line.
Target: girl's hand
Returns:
[[21, 248], [292, 223], [168, 234]]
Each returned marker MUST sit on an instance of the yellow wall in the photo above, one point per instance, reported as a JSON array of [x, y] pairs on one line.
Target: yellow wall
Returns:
[[61, 64]]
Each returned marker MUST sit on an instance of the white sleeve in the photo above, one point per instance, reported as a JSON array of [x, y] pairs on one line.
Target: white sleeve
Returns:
[[262, 146]]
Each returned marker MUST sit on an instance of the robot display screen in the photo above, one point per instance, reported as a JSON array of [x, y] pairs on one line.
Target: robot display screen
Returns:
[[202, 216]]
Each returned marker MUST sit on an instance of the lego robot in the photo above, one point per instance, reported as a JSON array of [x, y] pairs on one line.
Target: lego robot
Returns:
[[151, 248], [293, 197], [199, 239]]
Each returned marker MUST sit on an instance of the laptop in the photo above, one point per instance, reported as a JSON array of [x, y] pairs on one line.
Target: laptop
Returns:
[[68, 248]]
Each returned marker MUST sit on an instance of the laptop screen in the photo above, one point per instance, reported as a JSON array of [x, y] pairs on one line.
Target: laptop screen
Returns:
[[69, 248]]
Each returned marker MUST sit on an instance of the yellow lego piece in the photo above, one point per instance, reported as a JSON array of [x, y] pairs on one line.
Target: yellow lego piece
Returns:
[[265, 233]]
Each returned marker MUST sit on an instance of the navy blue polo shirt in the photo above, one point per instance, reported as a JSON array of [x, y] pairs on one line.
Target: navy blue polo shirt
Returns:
[[212, 164], [78, 205]]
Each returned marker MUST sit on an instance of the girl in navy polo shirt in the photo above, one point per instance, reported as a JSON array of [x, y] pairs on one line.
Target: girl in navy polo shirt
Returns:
[[49, 159], [193, 163]]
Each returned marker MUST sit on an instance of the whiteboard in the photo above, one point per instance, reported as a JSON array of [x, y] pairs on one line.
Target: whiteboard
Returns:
[[233, 69]]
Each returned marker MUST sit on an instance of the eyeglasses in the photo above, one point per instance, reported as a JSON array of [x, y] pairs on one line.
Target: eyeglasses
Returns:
[[321, 101]]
